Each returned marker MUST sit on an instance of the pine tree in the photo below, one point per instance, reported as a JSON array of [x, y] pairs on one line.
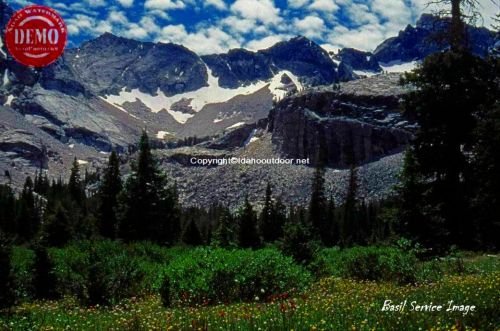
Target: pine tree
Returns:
[[108, 193], [331, 215], [486, 183], [350, 215], [192, 235], [270, 222], [75, 185], [450, 88], [28, 218], [148, 206], [248, 236], [58, 226], [7, 210], [298, 240], [223, 235], [318, 205], [7, 296], [44, 281]]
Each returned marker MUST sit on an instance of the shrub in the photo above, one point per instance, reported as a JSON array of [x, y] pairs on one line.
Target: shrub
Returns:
[[368, 263], [101, 272], [212, 276]]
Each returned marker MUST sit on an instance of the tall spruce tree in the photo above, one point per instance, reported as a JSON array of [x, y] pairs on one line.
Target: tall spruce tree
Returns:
[[486, 182], [318, 205], [149, 206], [224, 235], [248, 236], [192, 235], [7, 295], [28, 218], [450, 88], [108, 193], [350, 220], [59, 227], [75, 185]]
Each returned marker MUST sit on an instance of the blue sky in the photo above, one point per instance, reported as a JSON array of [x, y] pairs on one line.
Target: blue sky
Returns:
[[214, 26]]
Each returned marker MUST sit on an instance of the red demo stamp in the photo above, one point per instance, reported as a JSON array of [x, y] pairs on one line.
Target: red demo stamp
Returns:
[[36, 36]]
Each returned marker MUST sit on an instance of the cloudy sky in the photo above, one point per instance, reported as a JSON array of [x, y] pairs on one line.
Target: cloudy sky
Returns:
[[214, 26]]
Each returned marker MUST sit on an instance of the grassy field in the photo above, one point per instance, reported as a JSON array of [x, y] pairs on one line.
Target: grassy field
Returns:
[[330, 304]]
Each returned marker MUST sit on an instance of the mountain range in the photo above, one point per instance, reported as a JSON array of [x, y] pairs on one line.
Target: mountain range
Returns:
[[292, 99]]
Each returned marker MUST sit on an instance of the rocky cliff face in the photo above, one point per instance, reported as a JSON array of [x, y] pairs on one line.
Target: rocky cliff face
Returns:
[[340, 128]]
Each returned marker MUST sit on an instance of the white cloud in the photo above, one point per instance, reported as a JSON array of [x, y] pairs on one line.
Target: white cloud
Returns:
[[204, 41], [297, 3], [310, 26], [126, 3], [366, 37], [263, 11], [96, 3], [164, 4], [218, 4], [324, 5], [266, 42]]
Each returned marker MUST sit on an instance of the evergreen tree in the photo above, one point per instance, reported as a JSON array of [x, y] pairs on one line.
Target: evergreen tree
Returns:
[[298, 240], [318, 205], [486, 183], [75, 185], [333, 236], [192, 235], [58, 226], [149, 207], [7, 210], [271, 219], [223, 235], [108, 193], [28, 218], [248, 236], [44, 281], [7, 296], [450, 88], [350, 212]]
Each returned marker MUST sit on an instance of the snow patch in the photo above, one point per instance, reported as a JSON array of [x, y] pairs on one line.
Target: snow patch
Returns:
[[82, 162], [278, 89], [399, 66], [10, 98], [237, 125], [162, 134], [1, 48], [117, 106], [213, 93], [364, 73], [6, 80], [71, 146]]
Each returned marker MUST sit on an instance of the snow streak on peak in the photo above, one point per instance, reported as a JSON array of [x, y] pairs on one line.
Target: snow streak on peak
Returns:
[[211, 94]]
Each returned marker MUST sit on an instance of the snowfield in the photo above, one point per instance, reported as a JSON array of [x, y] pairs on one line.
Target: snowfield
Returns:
[[213, 93]]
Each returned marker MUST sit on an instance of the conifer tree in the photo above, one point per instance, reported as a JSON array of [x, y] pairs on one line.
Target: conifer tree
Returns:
[[192, 235], [7, 296], [318, 205], [148, 206], [350, 215], [59, 228], [271, 218], [75, 185], [224, 235], [108, 193], [298, 240], [7, 210], [44, 280], [28, 219], [248, 236]]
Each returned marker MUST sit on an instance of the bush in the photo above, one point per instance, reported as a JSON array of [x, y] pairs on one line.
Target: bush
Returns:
[[368, 263], [213, 276], [101, 272]]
